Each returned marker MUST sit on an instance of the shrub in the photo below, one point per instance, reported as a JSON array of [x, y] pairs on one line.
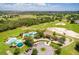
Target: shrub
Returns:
[[77, 46], [43, 49], [72, 22], [39, 34], [58, 51], [34, 52], [54, 45], [16, 51], [62, 39], [29, 42]]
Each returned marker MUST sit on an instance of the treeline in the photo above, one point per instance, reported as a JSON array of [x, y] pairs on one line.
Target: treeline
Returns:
[[73, 17], [9, 24], [12, 24]]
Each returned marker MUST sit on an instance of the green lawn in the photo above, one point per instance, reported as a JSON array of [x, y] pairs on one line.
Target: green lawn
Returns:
[[54, 45], [4, 36], [69, 50], [51, 24]]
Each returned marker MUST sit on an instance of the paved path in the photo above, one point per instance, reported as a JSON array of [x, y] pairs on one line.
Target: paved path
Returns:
[[67, 43], [63, 31]]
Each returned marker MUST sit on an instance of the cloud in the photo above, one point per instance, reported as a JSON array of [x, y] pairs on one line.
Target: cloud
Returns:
[[56, 6], [27, 4], [41, 4], [38, 6], [30, 4]]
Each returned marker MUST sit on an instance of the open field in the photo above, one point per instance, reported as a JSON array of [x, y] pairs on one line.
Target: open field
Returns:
[[52, 24]]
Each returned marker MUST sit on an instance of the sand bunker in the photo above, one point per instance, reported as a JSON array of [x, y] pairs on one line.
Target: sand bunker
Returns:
[[64, 31]]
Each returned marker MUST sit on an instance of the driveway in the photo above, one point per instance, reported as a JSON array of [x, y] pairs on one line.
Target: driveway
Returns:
[[48, 49]]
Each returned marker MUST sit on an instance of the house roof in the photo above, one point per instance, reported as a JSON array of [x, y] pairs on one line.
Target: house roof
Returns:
[[77, 21]]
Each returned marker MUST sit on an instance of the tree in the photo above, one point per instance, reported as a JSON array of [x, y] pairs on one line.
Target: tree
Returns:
[[54, 33], [54, 36], [29, 42], [2, 21], [72, 22], [34, 52], [16, 51], [77, 46], [39, 34], [62, 39], [58, 51]]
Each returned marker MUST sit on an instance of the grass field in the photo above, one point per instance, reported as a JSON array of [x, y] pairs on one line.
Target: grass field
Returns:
[[65, 51], [4, 36], [69, 50], [52, 24]]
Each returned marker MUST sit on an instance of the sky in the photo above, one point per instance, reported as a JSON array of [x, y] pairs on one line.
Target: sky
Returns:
[[39, 6]]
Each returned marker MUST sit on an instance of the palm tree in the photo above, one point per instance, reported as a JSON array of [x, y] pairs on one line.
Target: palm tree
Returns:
[[54, 33], [54, 36], [62, 39]]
